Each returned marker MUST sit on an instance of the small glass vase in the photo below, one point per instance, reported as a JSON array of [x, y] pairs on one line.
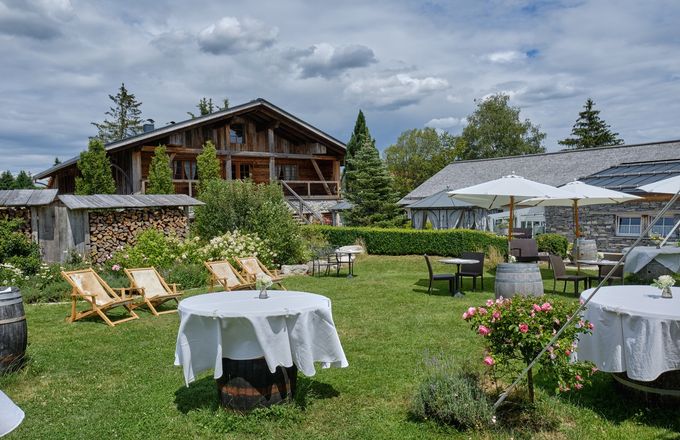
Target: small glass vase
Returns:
[[263, 293], [666, 292]]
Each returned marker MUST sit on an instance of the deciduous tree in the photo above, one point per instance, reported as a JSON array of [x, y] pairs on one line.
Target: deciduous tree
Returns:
[[160, 173], [417, 155], [590, 130], [125, 117], [95, 171], [495, 130]]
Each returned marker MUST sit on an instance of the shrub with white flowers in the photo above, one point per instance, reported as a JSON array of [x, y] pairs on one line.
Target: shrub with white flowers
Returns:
[[237, 244]]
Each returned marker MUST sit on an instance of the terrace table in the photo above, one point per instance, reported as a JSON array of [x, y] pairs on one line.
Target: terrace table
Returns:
[[11, 415], [599, 264], [458, 262], [641, 256], [351, 252], [289, 329], [636, 331]]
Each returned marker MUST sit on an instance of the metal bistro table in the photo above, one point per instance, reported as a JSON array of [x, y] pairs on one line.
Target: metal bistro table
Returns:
[[599, 264], [256, 346], [351, 253], [458, 262]]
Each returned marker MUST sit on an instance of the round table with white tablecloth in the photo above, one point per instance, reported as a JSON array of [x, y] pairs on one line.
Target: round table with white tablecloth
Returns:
[[288, 328], [636, 331]]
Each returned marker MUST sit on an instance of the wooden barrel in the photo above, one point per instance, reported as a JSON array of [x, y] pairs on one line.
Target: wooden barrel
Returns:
[[587, 249], [518, 279], [248, 384], [13, 330]]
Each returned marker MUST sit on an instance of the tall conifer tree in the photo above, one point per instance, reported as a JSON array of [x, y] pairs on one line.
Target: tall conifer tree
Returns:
[[6, 180], [360, 135], [23, 181], [160, 173], [590, 130], [208, 165], [95, 171], [372, 197], [125, 117]]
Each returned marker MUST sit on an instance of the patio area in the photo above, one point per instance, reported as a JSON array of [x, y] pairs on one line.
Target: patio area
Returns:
[[388, 326]]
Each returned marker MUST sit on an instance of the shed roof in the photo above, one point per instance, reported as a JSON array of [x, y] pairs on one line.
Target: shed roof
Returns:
[[628, 177], [27, 197], [343, 205], [106, 201], [554, 169], [440, 200]]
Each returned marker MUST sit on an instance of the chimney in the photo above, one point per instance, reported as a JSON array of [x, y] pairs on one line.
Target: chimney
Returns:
[[148, 126]]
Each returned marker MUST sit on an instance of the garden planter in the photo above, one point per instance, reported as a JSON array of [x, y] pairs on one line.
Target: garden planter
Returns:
[[13, 330]]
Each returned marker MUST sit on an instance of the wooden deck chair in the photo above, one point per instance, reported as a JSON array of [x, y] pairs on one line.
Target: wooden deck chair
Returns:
[[223, 273], [155, 291], [252, 267], [89, 286]]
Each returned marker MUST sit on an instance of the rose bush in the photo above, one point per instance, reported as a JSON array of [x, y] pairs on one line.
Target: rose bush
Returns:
[[516, 330]]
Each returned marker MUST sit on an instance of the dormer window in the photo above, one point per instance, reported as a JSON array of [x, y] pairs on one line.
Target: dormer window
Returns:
[[237, 134]]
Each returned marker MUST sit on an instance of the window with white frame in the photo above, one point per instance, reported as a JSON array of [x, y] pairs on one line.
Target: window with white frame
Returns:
[[663, 227], [628, 226]]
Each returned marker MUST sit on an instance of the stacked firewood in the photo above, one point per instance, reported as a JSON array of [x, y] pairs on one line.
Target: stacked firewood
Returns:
[[24, 214], [113, 230]]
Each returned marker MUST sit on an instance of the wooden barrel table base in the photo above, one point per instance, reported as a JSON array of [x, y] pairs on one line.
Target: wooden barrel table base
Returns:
[[13, 330], [518, 279], [248, 384], [663, 390]]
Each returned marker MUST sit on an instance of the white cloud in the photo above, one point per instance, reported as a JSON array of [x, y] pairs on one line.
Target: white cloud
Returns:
[[448, 122], [506, 57], [326, 60], [394, 91], [231, 35]]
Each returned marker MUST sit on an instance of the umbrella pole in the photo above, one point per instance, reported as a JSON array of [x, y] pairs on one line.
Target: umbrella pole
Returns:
[[512, 218], [577, 229]]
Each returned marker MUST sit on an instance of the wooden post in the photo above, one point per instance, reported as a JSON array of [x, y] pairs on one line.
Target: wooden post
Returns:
[[320, 174], [272, 163], [227, 164], [512, 218], [136, 172], [577, 231]]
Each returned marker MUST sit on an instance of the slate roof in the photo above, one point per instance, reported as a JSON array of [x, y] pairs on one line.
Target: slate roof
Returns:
[[554, 169], [342, 205], [440, 200], [628, 177], [105, 201], [164, 131], [27, 197]]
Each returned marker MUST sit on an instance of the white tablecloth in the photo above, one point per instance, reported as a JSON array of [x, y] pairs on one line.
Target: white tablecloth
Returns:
[[11, 415], [635, 330], [288, 328], [669, 256]]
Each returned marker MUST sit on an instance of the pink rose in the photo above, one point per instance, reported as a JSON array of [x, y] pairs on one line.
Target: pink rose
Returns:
[[465, 315], [578, 378], [483, 330], [546, 307], [471, 311], [567, 352], [591, 326], [523, 328], [482, 311], [489, 361], [578, 386], [536, 308], [115, 268], [594, 370], [532, 314], [489, 302]]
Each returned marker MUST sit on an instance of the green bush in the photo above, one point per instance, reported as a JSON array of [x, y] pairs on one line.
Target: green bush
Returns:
[[252, 208], [16, 249], [555, 244], [236, 244], [152, 248], [186, 276], [449, 242], [451, 396]]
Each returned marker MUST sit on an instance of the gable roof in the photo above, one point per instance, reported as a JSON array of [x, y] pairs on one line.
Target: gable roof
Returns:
[[554, 169], [112, 201], [628, 177], [440, 200], [232, 111]]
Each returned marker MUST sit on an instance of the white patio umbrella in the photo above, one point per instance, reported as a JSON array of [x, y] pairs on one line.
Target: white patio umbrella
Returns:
[[665, 186], [581, 194], [506, 191]]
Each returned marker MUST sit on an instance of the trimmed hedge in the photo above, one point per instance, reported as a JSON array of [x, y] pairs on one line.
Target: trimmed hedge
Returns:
[[394, 241], [555, 244]]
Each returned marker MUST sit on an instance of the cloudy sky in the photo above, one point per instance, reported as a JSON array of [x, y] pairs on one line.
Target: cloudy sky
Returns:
[[407, 64]]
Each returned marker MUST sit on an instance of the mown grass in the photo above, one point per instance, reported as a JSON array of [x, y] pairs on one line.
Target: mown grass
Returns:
[[86, 380]]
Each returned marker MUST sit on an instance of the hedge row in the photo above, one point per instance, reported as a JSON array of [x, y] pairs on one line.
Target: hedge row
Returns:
[[379, 241]]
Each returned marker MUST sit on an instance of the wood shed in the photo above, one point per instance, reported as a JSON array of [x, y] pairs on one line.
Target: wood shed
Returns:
[[93, 226]]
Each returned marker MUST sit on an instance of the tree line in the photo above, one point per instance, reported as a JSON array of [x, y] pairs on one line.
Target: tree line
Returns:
[[22, 180]]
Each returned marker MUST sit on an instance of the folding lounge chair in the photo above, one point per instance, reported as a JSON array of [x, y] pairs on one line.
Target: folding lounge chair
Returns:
[[155, 291], [252, 267], [224, 274], [89, 286]]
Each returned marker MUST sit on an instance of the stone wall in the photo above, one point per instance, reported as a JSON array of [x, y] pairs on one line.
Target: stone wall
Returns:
[[20, 213], [112, 230], [598, 222]]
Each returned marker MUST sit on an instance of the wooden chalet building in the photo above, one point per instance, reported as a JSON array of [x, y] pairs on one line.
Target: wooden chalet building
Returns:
[[256, 140]]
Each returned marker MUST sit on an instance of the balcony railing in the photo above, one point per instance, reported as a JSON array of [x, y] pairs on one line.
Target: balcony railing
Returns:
[[308, 189]]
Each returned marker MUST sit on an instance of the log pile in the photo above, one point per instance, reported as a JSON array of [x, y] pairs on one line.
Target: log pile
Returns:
[[112, 230], [19, 213]]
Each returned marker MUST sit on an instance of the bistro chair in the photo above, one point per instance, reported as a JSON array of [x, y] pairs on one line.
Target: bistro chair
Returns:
[[560, 274], [472, 270], [222, 273], [91, 288], [602, 271], [252, 267], [525, 250], [153, 288], [451, 278], [324, 258]]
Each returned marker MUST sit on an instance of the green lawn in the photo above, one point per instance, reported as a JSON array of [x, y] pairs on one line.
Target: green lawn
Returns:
[[86, 380]]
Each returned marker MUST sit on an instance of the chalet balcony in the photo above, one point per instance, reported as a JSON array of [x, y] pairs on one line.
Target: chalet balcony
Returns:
[[306, 189]]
